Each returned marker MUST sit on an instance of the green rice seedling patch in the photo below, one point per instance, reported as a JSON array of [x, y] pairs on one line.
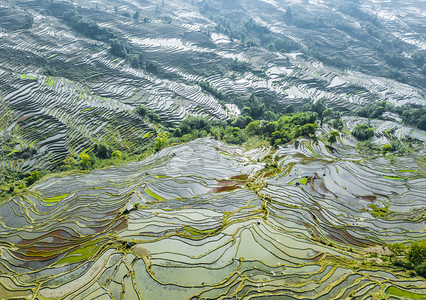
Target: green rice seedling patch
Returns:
[[55, 199], [196, 232], [393, 177], [82, 253], [50, 81], [24, 76], [153, 195], [395, 291], [302, 180]]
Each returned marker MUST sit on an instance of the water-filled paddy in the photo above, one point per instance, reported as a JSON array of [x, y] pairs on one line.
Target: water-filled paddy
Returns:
[[188, 241]]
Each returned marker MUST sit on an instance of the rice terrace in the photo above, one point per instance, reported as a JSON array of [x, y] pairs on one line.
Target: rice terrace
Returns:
[[212, 149]]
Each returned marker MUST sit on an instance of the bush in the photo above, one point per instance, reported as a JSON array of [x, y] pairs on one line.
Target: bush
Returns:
[[85, 161], [116, 154], [387, 148]]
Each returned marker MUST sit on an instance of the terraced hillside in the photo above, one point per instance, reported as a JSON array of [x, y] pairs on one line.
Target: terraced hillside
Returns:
[[214, 222], [184, 59], [307, 217]]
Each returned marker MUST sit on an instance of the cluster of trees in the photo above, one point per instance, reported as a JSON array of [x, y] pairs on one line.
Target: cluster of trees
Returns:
[[419, 58], [253, 34], [118, 47], [413, 257], [86, 26], [284, 45], [410, 114], [205, 85], [102, 154], [414, 116], [145, 113], [135, 16], [279, 132], [389, 48], [15, 182]]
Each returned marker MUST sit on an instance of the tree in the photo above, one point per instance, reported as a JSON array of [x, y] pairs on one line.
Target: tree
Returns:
[[103, 150], [422, 122], [134, 61], [417, 253], [34, 176], [288, 14], [397, 249], [309, 129], [328, 113], [153, 117], [142, 111], [152, 67], [116, 9], [126, 14], [29, 21], [136, 15], [363, 132], [318, 107], [119, 48], [280, 138], [332, 138], [337, 123], [160, 141]]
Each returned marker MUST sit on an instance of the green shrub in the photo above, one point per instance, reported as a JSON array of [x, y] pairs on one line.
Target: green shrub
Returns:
[[387, 148], [116, 154], [85, 161]]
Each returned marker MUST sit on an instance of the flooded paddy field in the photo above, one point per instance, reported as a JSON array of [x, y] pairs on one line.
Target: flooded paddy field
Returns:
[[202, 230]]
